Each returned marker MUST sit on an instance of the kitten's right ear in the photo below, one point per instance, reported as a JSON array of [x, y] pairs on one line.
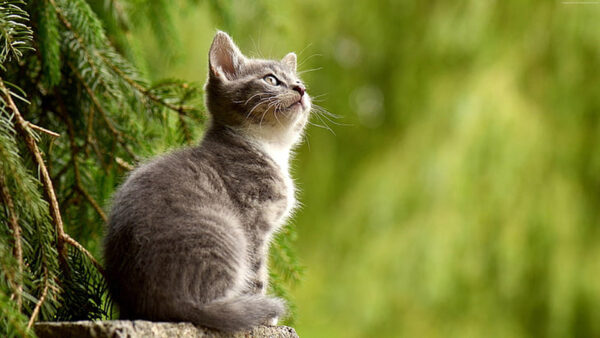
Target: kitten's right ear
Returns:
[[290, 61], [225, 59]]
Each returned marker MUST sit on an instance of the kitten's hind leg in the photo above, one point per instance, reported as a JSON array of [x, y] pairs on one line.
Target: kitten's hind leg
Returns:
[[190, 262]]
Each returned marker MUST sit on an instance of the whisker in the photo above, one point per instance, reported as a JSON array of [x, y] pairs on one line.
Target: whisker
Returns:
[[275, 113], [251, 97], [309, 70], [263, 101], [308, 58], [303, 49], [262, 117], [325, 125], [320, 126], [265, 112], [331, 121], [325, 111], [256, 49], [318, 96]]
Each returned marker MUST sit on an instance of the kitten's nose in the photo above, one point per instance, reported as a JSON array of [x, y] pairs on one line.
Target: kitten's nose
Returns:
[[300, 89]]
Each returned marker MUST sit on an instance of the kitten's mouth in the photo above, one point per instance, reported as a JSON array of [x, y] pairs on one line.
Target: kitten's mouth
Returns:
[[298, 103]]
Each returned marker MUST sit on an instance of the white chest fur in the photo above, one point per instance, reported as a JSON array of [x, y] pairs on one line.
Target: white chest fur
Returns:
[[277, 143], [280, 155]]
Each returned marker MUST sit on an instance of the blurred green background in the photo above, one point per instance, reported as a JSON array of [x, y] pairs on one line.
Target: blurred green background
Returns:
[[460, 193]]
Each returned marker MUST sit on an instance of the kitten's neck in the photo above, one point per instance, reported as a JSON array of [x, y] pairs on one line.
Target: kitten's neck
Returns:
[[276, 143]]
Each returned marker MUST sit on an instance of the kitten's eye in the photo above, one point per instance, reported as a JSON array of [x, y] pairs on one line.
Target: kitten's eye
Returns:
[[272, 80]]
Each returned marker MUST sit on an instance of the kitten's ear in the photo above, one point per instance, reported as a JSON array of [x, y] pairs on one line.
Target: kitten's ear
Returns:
[[290, 61], [224, 57]]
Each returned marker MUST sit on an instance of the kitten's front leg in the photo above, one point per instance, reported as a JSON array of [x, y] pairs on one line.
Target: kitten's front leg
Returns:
[[258, 285], [272, 322], [263, 281], [259, 279]]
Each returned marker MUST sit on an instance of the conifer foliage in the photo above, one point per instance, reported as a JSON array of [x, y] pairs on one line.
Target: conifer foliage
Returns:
[[73, 112]]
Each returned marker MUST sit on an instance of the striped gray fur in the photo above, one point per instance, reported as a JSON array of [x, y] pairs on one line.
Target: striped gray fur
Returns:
[[189, 231]]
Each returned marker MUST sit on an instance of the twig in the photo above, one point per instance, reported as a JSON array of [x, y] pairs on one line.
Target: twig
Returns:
[[40, 301], [24, 129], [6, 198], [92, 201], [43, 130], [80, 247], [123, 164]]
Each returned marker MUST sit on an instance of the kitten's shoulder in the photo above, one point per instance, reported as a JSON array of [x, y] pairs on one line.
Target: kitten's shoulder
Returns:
[[164, 170]]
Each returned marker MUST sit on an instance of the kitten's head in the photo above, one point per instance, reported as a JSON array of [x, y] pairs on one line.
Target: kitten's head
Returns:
[[262, 96]]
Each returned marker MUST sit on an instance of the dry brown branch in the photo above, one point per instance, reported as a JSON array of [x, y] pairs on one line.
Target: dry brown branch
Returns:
[[23, 128], [40, 301], [92, 201], [13, 221], [43, 130], [123, 164], [69, 240]]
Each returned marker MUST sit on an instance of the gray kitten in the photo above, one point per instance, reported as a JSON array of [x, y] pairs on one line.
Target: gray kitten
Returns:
[[189, 232]]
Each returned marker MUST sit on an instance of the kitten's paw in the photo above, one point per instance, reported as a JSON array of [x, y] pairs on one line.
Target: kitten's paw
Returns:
[[271, 322]]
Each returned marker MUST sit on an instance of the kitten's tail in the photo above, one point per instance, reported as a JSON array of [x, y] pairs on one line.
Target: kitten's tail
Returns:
[[235, 314]]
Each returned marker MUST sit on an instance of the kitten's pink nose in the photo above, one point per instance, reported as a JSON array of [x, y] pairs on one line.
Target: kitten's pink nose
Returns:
[[300, 89]]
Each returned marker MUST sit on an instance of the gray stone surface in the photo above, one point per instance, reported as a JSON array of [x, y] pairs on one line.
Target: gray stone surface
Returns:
[[142, 328]]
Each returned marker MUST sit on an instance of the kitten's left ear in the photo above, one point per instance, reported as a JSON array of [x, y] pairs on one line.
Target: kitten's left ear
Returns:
[[224, 57], [290, 61]]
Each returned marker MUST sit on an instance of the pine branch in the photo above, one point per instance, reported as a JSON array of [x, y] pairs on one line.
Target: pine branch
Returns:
[[62, 238], [83, 46], [23, 128], [40, 301], [187, 135], [88, 132], [6, 198], [118, 135], [43, 130], [69, 240], [49, 41], [15, 34], [78, 182], [182, 110]]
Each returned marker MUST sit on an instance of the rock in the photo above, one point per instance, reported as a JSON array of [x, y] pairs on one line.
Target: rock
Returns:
[[142, 328]]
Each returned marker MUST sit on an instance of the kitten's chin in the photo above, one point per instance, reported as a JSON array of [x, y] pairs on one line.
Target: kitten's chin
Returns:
[[300, 106], [296, 106]]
